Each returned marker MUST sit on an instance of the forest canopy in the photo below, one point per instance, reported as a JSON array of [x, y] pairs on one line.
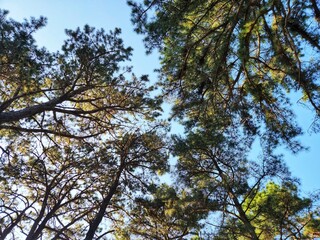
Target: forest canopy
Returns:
[[83, 146], [79, 138]]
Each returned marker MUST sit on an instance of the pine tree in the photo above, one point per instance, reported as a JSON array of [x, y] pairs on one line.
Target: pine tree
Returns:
[[229, 69], [78, 133]]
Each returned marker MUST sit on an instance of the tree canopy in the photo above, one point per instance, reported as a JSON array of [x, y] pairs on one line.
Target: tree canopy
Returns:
[[82, 147], [230, 69], [236, 61], [79, 138]]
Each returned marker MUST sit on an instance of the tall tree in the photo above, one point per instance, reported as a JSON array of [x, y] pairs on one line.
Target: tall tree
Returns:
[[218, 166], [229, 67], [276, 212], [239, 58], [78, 136]]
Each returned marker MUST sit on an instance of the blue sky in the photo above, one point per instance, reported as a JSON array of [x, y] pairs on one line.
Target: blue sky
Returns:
[[108, 14]]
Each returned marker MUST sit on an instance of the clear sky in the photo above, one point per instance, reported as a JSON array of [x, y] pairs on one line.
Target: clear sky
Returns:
[[108, 14]]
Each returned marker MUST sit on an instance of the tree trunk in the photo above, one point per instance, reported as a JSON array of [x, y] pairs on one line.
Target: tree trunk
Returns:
[[105, 202], [242, 214]]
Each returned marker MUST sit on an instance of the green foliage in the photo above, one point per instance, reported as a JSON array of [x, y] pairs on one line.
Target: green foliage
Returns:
[[81, 147], [78, 137], [165, 214], [229, 68], [236, 60], [275, 212]]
